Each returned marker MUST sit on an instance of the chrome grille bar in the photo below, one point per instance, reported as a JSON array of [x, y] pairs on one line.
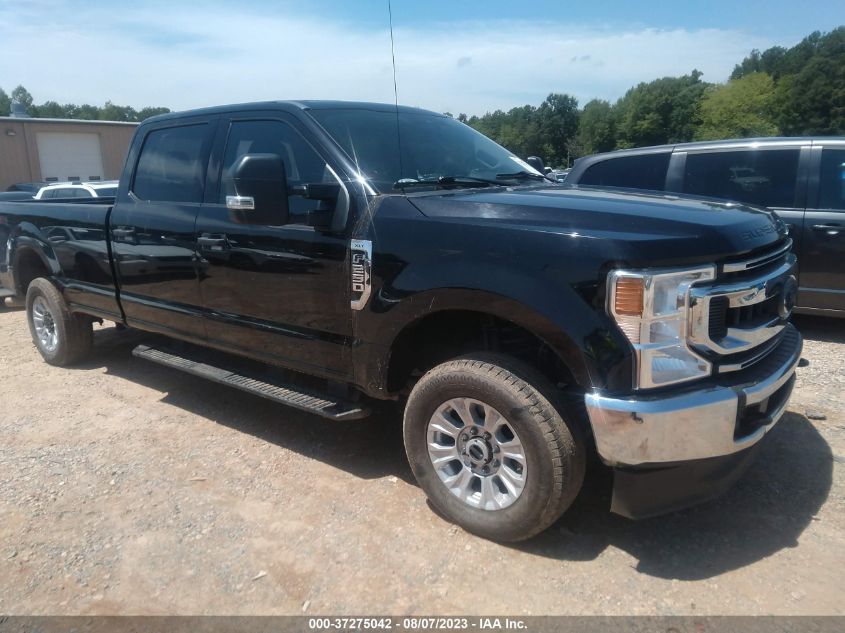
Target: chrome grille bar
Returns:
[[760, 260]]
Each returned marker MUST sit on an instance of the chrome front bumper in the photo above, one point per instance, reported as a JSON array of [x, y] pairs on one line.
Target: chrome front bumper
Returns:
[[729, 415]]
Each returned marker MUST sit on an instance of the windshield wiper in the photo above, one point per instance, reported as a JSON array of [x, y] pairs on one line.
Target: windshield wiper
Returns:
[[445, 181], [521, 175]]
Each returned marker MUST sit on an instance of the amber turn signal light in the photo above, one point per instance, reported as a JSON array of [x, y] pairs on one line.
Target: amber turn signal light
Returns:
[[628, 300]]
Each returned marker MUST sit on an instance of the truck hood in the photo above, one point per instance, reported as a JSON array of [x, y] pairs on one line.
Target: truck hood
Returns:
[[636, 226]]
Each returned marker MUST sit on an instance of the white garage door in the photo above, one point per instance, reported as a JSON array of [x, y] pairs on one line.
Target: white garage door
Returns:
[[69, 156]]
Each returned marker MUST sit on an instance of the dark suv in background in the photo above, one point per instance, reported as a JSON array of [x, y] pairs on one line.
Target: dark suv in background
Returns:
[[802, 179]]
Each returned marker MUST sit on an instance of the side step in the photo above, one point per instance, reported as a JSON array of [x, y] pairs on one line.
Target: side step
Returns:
[[271, 389]]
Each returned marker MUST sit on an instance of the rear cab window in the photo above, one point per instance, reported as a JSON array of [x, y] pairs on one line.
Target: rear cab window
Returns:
[[171, 165]]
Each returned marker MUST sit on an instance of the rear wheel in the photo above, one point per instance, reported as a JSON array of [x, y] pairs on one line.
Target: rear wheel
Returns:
[[62, 338], [489, 448]]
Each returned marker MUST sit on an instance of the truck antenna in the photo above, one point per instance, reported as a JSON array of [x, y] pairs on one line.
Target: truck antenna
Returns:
[[395, 89]]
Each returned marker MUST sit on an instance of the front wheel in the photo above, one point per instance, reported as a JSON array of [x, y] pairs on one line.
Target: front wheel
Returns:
[[62, 338], [489, 449]]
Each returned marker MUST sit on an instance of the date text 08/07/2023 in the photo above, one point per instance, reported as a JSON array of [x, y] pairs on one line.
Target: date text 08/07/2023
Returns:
[[415, 623]]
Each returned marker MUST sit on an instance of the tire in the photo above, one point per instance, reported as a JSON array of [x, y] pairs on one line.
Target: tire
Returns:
[[62, 338], [507, 400]]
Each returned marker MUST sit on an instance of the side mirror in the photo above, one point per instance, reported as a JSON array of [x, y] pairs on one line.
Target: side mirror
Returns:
[[537, 163], [261, 191]]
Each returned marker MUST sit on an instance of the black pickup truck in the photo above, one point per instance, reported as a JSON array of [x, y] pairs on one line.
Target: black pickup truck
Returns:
[[327, 255]]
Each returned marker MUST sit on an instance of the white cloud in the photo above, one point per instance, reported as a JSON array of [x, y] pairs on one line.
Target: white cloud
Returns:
[[189, 58]]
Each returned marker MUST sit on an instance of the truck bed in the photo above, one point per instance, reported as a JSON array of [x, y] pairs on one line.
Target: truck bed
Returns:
[[67, 240]]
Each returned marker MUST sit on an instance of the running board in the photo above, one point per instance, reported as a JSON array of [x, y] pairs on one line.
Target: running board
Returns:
[[277, 391]]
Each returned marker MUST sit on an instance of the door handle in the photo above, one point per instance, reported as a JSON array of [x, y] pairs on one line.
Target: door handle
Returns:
[[240, 203], [830, 229]]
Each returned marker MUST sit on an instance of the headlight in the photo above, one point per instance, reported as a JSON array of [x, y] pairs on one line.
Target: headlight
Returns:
[[651, 309]]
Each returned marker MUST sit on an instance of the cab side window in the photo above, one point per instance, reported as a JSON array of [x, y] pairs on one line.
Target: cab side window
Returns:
[[302, 164], [762, 177], [832, 179], [170, 167], [643, 171]]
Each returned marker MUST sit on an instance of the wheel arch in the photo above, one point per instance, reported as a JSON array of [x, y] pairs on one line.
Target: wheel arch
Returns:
[[30, 256], [443, 334], [30, 262], [434, 326]]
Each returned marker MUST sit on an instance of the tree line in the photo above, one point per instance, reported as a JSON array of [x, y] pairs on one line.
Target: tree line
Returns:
[[781, 91], [54, 110]]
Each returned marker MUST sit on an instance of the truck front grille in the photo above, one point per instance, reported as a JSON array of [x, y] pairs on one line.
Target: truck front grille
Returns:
[[735, 320], [722, 316]]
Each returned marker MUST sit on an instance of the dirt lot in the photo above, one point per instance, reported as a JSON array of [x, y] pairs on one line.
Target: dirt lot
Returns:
[[129, 488]]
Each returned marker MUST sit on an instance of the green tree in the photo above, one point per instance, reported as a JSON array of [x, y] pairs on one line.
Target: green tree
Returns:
[[85, 111], [661, 111], [811, 100], [557, 124], [517, 129], [5, 103], [21, 95], [596, 128], [146, 113], [740, 108], [112, 112], [544, 131], [772, 61], [51, 110]]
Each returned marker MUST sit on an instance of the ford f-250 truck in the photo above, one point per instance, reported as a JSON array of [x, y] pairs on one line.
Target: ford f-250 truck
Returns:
[[328, 254]]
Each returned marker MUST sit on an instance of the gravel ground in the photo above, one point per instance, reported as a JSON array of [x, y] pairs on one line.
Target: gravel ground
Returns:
[[129, 488]]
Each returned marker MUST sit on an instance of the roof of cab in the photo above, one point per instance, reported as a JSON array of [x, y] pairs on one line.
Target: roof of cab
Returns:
[[290, 106]]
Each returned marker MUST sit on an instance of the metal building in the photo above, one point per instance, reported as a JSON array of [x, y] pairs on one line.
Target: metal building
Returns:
[[56, 150]]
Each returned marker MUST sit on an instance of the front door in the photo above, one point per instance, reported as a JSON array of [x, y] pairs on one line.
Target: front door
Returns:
[[823, 252], [277, 292]]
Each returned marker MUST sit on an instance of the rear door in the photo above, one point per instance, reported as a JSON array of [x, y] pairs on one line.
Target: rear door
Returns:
[[153, 228], [823, 254]]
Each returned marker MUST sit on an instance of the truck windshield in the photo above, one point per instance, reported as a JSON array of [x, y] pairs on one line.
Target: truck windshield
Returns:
[[436, 149]]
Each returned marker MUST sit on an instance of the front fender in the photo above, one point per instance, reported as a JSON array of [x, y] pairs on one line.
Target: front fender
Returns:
[[581, 336]]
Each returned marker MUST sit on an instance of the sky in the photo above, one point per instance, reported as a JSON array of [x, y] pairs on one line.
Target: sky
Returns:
[[451, 55]]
